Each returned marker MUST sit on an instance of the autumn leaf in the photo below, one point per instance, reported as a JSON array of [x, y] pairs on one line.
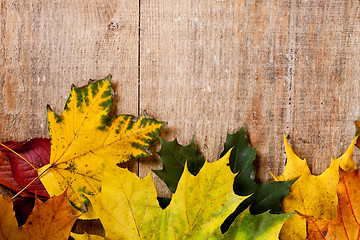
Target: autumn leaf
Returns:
[[7, 178], [173, 158], [311, 195], [254, 227], [84, 139], [8, 226], [52, 219], [23, 207], [16, 173], [346, 224], [198, 207]]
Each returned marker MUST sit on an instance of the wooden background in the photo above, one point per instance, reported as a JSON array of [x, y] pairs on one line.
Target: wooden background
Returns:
[[207, 67]]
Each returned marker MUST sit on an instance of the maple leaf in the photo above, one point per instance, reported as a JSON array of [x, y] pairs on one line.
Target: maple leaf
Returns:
[[84, 139], [18, 163], [346, 224], [52, 219], [128, 208], [263, 197], [311, 195], [254, 227], [173, 157]]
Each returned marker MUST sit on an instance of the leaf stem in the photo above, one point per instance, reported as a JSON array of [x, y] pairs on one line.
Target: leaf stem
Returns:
[[38, 177], [18, 155]]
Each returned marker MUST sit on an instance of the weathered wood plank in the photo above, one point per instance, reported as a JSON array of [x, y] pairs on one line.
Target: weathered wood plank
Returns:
[[325, 92], [209, 67], [46, 46]]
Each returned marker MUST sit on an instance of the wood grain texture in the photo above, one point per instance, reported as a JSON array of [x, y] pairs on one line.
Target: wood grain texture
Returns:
[[46, 46], [325, 90], [214, 66], [275, 67], [206, 67]]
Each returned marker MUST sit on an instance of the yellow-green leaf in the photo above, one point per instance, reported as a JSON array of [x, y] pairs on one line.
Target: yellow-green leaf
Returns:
[[128, 208], [84, 139], [254, 227]]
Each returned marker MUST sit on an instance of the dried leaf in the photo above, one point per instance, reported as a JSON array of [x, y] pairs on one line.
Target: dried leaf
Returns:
[[37, 152]]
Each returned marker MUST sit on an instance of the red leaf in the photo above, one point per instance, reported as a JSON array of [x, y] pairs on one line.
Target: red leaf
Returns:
[[37, 152], [6, 176]]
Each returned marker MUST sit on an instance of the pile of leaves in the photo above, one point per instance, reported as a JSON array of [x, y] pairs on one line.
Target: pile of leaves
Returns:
[[75, 177]]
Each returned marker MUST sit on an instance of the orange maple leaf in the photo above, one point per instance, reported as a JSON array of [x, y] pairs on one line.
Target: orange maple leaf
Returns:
[[52, 219], [347, 223]]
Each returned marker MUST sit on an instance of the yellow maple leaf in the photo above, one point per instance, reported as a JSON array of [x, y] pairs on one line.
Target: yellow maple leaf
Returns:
[[84, 139], [8, 225], [128, 208], [311, 195]]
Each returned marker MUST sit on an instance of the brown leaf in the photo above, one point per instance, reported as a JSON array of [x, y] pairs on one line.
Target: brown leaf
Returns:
[[52, 219]]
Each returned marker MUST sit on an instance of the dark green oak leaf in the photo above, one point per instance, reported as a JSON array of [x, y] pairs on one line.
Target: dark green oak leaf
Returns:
[[241, 162], [173, 157], [263, 197]]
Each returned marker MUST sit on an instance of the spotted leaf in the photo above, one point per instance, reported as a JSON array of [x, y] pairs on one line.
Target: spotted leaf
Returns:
[[84, 139]]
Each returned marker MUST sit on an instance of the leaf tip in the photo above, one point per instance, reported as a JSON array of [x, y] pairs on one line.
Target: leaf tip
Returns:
[[108, 77], [346, 161], [48, 108]]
